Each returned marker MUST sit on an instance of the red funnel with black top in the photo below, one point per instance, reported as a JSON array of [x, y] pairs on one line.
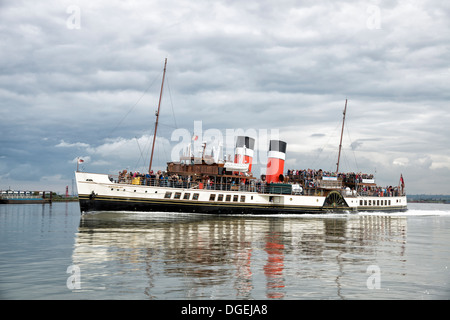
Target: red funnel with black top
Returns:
[[244, 151], [275, 162]]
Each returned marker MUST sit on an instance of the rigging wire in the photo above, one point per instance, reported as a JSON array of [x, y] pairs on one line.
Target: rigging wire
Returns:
[[134, 105], [345, 155], [346, 161], [171, 103], [331, 135], [160, 145], [147, 148], [354, 154], [108, 136], [140, 151]]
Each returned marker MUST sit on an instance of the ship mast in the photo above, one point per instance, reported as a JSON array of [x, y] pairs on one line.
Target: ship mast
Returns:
[[157, 117], [342, 133]]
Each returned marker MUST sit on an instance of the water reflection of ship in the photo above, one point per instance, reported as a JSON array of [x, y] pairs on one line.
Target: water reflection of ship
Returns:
[[204, 253]]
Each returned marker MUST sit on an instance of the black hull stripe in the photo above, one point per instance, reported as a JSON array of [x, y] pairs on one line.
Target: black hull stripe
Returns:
[[126, 204], [187, 203]]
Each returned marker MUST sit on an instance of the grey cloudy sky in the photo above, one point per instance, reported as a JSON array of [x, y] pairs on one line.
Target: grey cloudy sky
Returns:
[[82, 79]]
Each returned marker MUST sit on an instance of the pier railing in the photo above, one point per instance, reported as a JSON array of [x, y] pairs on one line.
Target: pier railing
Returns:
[[24, 195]]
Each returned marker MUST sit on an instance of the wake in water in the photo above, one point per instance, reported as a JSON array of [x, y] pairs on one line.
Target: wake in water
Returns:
[[408, 213], [414, 209], [419, 209]]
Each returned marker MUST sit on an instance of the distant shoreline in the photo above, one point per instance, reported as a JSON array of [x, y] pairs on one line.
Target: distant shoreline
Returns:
[[429, 201], [428, 198]]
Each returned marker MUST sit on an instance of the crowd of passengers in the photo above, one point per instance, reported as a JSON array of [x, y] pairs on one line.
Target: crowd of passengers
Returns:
[[152, 178], [162, 179], [312, 174], [309, 179]]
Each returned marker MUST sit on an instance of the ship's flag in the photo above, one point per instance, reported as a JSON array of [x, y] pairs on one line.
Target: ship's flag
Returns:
[[79, 160], [194, 138], [402, 181]]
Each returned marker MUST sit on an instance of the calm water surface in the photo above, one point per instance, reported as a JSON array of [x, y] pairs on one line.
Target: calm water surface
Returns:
[[52, 252]]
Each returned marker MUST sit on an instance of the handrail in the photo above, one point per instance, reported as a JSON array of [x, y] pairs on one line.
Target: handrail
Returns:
[[253, 186]]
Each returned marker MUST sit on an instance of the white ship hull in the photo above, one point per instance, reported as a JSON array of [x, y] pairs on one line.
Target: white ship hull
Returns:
[[97, 193]]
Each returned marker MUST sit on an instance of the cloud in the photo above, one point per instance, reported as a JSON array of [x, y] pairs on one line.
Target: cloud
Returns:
[[90, 91], [442, 163], [64, 144], [400, 162]]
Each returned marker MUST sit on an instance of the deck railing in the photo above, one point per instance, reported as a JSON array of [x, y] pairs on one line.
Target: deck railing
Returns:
[[316, 189]]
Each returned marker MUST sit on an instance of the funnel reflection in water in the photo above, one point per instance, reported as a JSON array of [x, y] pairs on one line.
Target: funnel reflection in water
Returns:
[[274, 266]]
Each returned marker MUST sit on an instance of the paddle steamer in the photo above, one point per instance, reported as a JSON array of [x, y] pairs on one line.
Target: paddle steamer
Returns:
[[204, 185]]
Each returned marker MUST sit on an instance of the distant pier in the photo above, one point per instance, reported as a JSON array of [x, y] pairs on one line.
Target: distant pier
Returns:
[[25, 197]]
